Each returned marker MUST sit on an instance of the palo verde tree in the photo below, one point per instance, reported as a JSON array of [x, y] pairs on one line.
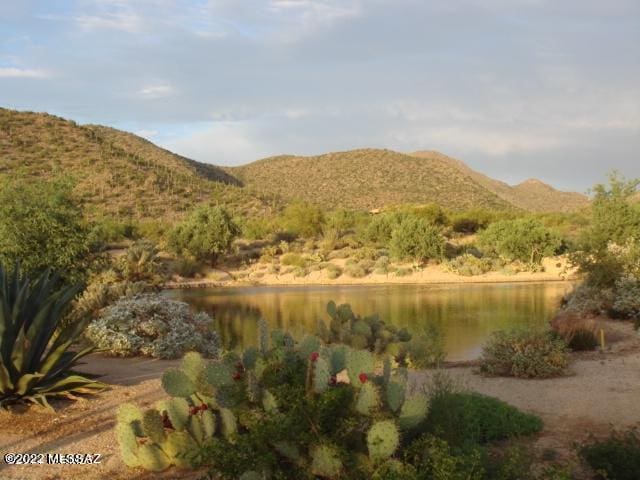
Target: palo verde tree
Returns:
[[206, 234], [524, 239], [609, 247], [416, 239], [42, 227]]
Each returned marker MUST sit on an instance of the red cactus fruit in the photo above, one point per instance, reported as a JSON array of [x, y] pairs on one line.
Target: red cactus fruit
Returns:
[[193, 410], [333, 380], [314, 356], [204, 406], [363, 378], [237, 376]]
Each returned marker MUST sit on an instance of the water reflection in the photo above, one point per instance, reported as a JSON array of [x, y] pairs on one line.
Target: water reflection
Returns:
[[466, 314]]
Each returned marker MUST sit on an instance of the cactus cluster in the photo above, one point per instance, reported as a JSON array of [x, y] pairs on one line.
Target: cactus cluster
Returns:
[[220, 400], [366, 333]]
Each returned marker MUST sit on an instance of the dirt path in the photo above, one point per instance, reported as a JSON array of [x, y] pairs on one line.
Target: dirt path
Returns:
[[603, 390]]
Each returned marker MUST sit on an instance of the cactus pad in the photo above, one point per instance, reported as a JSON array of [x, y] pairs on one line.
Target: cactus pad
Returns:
[[325, 462], [359, 361], [367, 399], [177, 383], [395, 395], [321, 375], [152, 425], [383, 439], [152, 458], [413, 412], [219, 374]]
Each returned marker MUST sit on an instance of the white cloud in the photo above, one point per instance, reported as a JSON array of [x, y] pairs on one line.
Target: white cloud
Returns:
[[127, 22], [152, 92], [13, 72]]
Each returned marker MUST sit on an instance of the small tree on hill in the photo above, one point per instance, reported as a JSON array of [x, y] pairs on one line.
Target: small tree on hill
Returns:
[[524, 239], [302, 219], [206, 234], [416, 239]]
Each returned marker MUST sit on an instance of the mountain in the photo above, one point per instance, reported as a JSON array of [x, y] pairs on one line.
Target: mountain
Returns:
[[116, 173], [124, 176], [372, 178], [531, 195]]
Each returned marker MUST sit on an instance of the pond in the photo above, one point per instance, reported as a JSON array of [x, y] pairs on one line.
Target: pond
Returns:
[[465, 313]]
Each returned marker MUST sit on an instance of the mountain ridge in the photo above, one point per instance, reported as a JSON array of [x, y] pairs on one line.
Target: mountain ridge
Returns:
[[123, 175]]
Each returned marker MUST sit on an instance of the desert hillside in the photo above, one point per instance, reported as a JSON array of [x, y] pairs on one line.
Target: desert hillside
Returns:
[[372, 178]]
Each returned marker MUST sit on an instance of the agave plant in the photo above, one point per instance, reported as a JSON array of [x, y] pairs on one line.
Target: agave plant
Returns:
[[35, 360]]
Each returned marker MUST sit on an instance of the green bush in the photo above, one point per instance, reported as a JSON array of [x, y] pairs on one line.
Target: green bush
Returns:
[[523, 239], [206, 234], [187, 267], [527, 353], [627, 299], [469, 265], [152, 325], [302, 219], [434, 459], [140, 262], [470, 418], [416, 239], [616, 458], [42, 226], [294, 260], [36, 362], [333, 271]]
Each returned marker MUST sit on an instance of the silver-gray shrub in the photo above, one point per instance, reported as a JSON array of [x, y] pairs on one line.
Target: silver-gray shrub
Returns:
[[153, 325]]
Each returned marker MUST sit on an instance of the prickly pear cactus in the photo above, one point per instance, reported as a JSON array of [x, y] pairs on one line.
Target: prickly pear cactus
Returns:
[[325, 462], [368, 399], [395, 391], [359, 362], [177, 383], [413, 412], [321, 375], [383, 439]]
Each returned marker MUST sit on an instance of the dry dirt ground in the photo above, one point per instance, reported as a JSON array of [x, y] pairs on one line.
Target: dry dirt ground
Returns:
[[601, 391]]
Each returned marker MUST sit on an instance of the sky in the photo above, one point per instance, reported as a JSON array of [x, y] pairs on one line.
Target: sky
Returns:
[[515, 88]]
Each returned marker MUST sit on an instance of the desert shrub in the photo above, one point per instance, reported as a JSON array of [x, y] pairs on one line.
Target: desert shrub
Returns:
[[616, 458], [152, 325], [36, 362], [294, 260], [42, 226], [206, 234], [299, 272], [578, 332], [471, 221], [404, 271], [528, 353], [435, 460], [627, 298], [187, 267], [589, 300], [340, 254], [524, 239], [302, 219], [382, 265], [380, 228], [140, 262], [426, 348], [416, 239], [463, 418], [469, 265], [101, 292], [355, 271], [333, 271], [256, 228], [365, 253]]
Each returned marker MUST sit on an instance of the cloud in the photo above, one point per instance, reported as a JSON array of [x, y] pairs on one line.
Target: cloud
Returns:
[[151, 92], [14, 72]]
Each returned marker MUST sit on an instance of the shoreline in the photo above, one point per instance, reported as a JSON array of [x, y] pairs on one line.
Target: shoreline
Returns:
[[198, 285]]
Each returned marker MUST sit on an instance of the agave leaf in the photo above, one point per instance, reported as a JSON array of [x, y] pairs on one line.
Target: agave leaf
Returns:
[[27, 382]]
